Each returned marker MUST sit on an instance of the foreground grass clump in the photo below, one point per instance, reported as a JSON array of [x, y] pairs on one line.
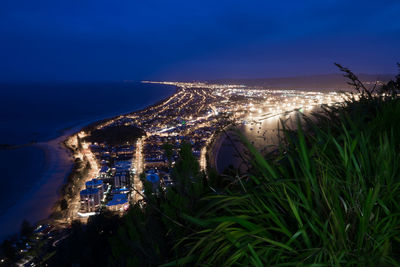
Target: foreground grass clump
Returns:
[[331, 197]]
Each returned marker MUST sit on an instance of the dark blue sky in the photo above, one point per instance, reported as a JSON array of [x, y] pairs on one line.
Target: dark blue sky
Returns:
[[194, 39]]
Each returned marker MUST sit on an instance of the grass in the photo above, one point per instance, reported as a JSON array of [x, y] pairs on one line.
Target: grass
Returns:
[[330, 198]]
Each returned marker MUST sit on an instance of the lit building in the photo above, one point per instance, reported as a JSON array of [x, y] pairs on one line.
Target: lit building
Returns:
[[119, 202], [120, 181], [96, 183], [90, 199]]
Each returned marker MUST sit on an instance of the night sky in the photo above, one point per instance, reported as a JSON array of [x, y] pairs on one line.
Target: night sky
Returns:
[[80, 40]]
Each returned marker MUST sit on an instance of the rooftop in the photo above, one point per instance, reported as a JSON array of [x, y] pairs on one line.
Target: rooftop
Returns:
[[118, 199]]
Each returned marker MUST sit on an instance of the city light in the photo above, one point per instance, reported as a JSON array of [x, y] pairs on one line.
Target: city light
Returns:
[[193, 114]]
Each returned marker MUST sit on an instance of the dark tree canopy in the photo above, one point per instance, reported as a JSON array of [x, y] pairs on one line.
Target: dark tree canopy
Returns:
[[116, 135], [26, 228]]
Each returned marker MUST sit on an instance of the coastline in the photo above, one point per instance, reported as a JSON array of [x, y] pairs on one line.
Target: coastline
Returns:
[[57, 214], [96, 123], [56, 164], [42, 201], [219, 140], [213, 150]]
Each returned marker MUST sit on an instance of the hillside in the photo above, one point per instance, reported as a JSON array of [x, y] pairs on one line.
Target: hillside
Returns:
[[321, 81]]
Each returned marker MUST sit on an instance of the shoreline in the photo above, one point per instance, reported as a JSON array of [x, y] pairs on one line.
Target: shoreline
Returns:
[[46, 194], [218, 141], [56, 164], [213, 150], [75, 168], [104, 120]]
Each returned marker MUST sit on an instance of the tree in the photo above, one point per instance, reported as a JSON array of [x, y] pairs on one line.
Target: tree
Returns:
[[8, 250], [168, 152], [392, 88], [26, 228], [151, 228]]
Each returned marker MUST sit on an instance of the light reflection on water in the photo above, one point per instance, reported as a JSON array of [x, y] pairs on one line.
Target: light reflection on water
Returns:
[[264, 136]]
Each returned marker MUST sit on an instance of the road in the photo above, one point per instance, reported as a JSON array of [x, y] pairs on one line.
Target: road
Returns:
[[138, 165]]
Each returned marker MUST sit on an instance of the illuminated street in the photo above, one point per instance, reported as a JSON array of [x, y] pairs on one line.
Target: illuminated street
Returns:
[[194, 114]]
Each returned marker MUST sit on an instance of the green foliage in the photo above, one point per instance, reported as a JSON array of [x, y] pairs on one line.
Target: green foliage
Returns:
[[168, 150], [330, 198], [392, 88], [8, 251], [87, 245], [26, 229]]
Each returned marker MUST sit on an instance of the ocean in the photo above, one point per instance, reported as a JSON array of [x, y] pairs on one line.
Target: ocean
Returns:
[[31, 175], [264, 136]]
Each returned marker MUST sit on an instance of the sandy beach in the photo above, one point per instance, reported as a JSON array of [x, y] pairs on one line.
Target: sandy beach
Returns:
[[37, 204]]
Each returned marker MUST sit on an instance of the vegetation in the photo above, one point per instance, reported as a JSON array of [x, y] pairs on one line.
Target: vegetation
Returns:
[[146, 234], [87, 245], [151, 228], [26, 229], [329, 197], [79, 170], [115, 135]]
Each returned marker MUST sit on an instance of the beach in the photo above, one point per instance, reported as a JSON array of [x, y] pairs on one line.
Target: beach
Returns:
[[37, 204], [37, 172]]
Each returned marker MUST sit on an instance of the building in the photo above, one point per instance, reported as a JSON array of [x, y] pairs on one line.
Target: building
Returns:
[[121, 181], [120, 191], [123, 166], [96, 183], [90, 200], [119, 202]]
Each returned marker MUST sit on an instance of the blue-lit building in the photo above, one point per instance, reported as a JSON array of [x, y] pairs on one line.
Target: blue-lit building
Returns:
[[90, 200], [121, 181], [96, 183], [119, 202]]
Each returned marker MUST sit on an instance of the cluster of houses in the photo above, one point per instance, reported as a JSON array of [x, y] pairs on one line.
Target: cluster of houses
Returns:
[[112, 187], [155, 158], [185, 117]]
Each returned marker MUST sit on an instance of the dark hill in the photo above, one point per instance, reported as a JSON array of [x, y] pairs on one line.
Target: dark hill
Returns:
[[322, 81], [116, 135]]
